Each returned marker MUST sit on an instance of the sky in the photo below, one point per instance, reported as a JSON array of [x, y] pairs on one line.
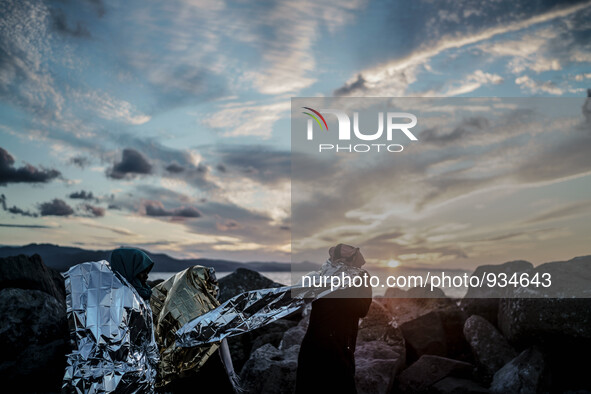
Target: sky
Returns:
[[166, 126]]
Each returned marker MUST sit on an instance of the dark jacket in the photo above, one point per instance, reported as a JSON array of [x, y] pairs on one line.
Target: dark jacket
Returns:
[[326, 362]]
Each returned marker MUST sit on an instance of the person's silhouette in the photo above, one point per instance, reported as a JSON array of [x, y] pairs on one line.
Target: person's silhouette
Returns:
[[326, 362]]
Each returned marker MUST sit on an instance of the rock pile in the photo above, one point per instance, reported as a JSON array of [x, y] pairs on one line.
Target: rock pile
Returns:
[[490, 341]]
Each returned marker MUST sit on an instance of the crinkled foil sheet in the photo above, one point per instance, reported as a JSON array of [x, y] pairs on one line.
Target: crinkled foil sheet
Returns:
[[111, 333], [251, 310], [175, 302]]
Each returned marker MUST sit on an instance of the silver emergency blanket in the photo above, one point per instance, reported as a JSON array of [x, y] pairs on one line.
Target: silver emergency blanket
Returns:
[[253, 309], [175, 302], [111, 333]]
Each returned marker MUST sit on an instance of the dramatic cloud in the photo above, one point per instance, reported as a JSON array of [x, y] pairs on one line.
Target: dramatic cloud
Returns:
[[468, 158], [80, 161], [174, 168], [14, 209], [25, 174], [56, 207], [132, 163], [92, 211], [82, 195], [156, 208], [18, 211]]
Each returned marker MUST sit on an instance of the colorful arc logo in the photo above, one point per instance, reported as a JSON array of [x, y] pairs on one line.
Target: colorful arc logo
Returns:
[[315, 118]]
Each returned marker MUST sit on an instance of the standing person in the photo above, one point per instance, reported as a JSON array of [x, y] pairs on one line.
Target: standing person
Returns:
[[134, 265], [111, 326], [326, 363]]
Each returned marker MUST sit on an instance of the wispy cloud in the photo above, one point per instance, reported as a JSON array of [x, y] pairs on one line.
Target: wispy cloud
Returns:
[[109, 108], [248, 119], [393, 78], [569, 210]]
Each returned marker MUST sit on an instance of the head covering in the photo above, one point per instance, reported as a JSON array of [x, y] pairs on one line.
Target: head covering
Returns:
[[129, 262], [347, 254]]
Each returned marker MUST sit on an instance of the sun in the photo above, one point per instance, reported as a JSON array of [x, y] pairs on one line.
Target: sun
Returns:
[[393, 263]]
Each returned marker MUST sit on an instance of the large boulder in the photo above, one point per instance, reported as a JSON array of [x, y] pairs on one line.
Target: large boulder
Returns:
[[538, 314], [295, 335], [489, 347], [431, 323], [242, 346], [379, 324], [29, 273], [243, 280], [437, 333], [270, 370], [33, 339], [568, 279], [484, 300], [376, 366], [415, 302], [429, 370], [527, 321], [522, 375]]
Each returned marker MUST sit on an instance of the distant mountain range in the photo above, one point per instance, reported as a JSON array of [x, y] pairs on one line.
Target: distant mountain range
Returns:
[[62, 258]]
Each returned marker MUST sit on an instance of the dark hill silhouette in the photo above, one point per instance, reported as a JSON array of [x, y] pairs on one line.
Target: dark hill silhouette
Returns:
[[63, 257]]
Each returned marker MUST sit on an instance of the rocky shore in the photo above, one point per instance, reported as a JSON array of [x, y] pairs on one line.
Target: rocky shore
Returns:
[[495, 344]]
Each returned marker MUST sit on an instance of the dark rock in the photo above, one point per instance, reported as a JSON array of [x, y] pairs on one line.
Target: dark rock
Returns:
[[375, 376], [242, 346], [488, 308], [509, 268], [428, 370], [376, 366], [294, 335], [568, 279], [527, 321], [378, 325], [26, 272], [489, 347], [538, 314], [408, 305], [243, 280], [484, 301], [33, 339], [270, 370], [437, 333], [522, 375], [457, 386], [425, 292]]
